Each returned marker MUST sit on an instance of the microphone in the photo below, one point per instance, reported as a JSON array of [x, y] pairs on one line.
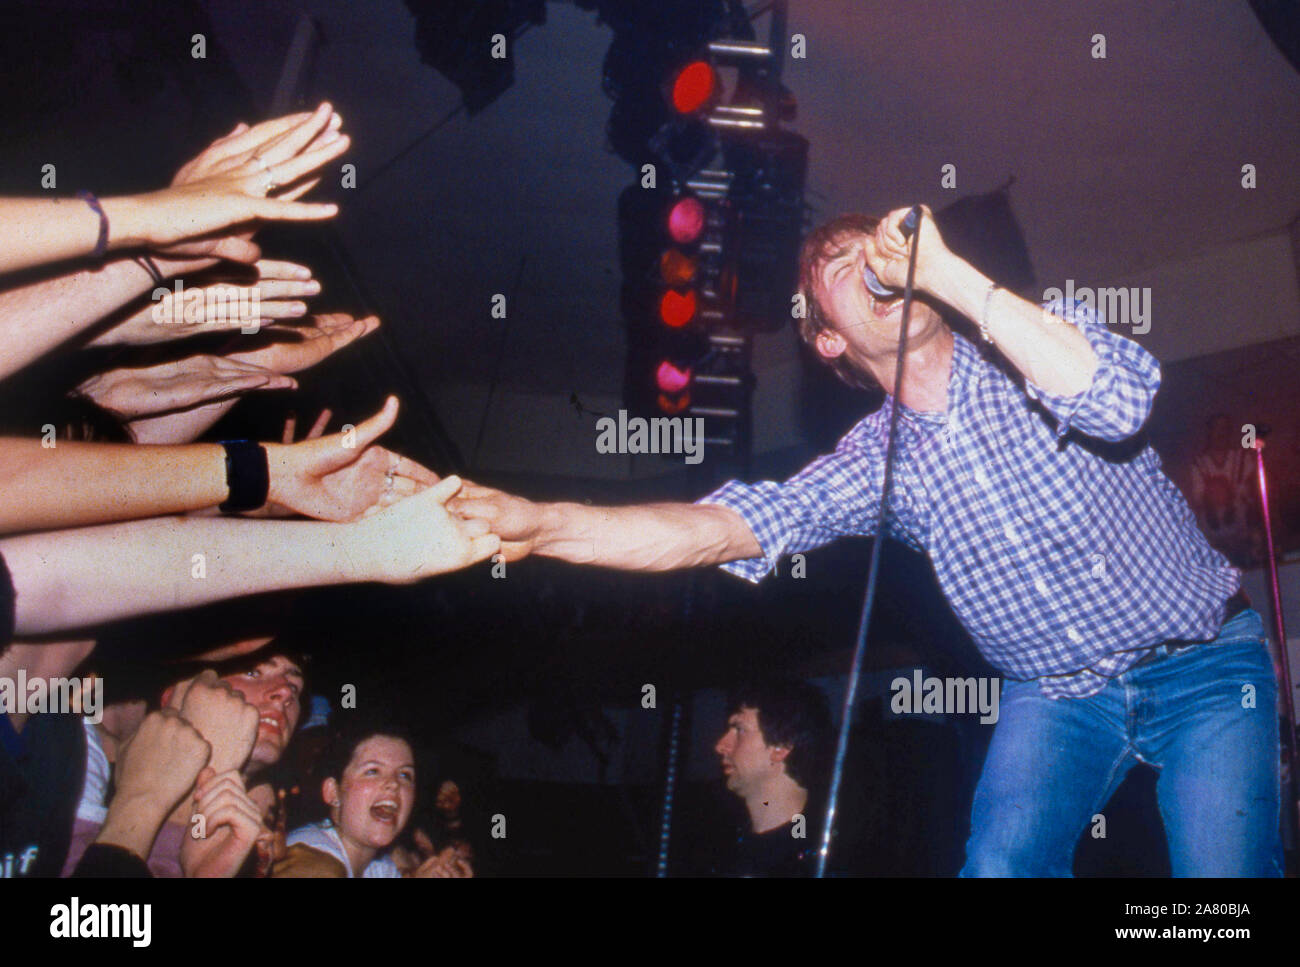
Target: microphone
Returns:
[[873, 283]]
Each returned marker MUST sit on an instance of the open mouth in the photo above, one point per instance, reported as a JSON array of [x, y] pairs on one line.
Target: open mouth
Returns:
[[273, 722], [882, 307], [384, 811], [881, 299]]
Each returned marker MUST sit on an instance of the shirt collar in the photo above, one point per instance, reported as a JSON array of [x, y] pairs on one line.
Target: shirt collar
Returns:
[[967, 367], [963, 377]]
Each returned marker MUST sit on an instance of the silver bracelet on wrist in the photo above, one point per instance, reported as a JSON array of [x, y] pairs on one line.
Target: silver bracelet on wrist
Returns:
[[984, 316]]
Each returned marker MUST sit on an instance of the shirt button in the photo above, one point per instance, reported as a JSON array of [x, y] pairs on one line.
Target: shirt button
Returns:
[[1041, 585], [1011, 534], [1074, 636], [981, 477]]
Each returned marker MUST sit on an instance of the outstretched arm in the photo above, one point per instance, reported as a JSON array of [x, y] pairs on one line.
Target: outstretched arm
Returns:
[[74, 578], [37, 317], [338, 478], [646, 537], [227, 188]]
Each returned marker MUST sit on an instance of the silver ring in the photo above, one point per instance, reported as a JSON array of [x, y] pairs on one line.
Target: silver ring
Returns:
[[388, 482]]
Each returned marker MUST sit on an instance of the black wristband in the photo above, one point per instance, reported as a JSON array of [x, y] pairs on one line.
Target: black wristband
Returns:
[[247, 476]]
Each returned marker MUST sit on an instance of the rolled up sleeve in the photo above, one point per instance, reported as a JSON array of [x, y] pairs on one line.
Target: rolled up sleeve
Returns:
[[837, 495], [1123, 388]]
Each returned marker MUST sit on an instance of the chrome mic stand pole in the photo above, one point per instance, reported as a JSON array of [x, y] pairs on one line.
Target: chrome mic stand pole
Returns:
[[1279, 629], [855, 669]]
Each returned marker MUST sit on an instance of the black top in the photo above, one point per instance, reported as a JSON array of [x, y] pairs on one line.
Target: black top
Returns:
[[42, 770], [777, 852], [103, 861]]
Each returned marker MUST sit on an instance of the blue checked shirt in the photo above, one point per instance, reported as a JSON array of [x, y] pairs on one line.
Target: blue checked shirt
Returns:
[[1065, 558]]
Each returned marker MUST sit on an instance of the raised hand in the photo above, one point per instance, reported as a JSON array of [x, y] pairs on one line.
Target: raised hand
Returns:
[[161, 761], [516, 520], [230, 185], [299, 347], [417, 538], [342, 476], [218, 305], [224, 719], [287, 438], [243, 142], [132, 393], [232, 825], [222, 155], [445, 865], [889, 251]]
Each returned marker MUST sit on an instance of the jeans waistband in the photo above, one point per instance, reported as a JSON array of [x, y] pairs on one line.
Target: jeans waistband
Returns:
[[1236, 604]]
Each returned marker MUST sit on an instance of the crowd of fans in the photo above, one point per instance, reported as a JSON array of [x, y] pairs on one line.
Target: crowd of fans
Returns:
[[112, 510]]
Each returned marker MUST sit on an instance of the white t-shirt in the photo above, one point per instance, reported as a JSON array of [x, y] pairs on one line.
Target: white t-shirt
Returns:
[[93, 790], [324, 837]]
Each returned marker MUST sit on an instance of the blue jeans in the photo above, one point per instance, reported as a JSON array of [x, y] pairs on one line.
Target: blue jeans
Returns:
[[1053, 765]]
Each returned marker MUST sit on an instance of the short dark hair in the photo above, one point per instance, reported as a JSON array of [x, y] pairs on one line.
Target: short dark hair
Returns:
[[824, 243], [345, 740], [794, 714], [275, 648]]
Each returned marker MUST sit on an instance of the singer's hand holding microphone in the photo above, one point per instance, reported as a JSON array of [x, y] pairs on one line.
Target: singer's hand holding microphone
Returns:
[[887, 257]]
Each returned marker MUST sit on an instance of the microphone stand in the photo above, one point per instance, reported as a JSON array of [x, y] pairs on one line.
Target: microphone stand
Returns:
[[1279, 629], [868, 602]]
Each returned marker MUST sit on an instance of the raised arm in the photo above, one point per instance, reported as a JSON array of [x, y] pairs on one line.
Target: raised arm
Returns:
[[1087, 376], [647, 537], [1055, 357], [230, 187]]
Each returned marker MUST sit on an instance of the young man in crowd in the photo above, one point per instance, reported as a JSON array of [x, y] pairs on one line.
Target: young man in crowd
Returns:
[[773, 756]]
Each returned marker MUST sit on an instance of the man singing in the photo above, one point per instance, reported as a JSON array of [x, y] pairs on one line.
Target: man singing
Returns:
[[1072, 560]]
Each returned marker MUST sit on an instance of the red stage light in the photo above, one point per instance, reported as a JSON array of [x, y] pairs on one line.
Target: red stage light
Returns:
[[686, 220], [693, 87], [676, 268], [671, 379], [676, 309], [673, 404]]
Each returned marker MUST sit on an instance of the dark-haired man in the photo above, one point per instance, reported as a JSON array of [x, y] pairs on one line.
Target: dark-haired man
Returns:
[[247, 709], [772, 754], [1070, 558]]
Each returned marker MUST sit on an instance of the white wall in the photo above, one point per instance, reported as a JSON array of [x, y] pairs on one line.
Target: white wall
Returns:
[[1233, 295]]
